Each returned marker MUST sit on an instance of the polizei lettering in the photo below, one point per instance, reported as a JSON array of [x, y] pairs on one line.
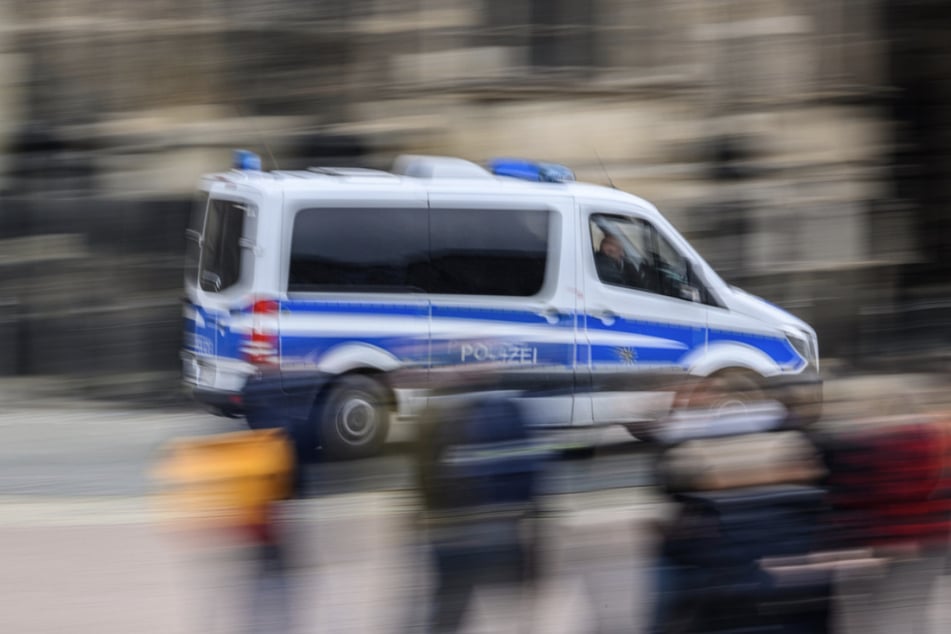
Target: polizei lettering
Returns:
[[518, 354]]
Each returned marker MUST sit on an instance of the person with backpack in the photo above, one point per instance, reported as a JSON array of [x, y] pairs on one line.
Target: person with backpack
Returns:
[[478, 469], [745, 493], [889, 487]]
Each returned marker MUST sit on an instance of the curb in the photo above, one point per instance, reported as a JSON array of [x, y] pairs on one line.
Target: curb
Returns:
[[573, 509]]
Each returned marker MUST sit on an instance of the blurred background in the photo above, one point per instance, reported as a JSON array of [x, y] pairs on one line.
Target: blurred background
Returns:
[[804, 147]]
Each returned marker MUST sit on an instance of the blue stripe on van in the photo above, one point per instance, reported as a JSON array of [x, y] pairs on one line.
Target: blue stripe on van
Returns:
[[410, 309], [690, 338], [313, 347], [514, 316], [229, 345], [673, 332], [631, 355], [778, 349], [674, 342]]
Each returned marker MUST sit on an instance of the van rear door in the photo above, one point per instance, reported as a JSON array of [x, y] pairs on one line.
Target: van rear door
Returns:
[[223, 293], [198, 338]]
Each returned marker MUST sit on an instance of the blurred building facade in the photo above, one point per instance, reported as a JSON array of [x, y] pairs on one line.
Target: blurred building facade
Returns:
[[805, 147]]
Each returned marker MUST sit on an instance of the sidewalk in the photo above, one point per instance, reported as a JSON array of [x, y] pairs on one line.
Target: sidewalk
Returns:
[[358, 568]]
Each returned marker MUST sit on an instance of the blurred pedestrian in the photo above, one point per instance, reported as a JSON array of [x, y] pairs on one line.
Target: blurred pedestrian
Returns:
[[745, 492], [890, 490], [227, 490], [478, 469]]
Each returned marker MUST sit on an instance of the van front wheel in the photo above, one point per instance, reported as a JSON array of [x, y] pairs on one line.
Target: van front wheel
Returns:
[[727, 389], [354, 419]]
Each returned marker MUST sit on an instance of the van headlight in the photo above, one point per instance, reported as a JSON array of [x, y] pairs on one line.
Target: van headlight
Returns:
[[805, 344]]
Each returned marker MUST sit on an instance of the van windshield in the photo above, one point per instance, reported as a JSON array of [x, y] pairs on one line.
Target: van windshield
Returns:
[[221, 248]]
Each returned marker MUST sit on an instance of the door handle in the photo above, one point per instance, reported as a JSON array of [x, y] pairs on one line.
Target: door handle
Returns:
[[607, 316], [550, 314]]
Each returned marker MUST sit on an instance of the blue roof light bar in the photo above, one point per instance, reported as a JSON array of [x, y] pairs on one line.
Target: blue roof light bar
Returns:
[[531, 170], [246, 160]]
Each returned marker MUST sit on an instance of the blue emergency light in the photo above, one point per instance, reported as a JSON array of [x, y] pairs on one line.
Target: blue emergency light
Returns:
[[531, 170], [246, 160]]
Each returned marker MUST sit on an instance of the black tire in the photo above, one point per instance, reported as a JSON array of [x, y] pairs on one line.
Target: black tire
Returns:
[[581, 452], [354, 419], [640, 431]]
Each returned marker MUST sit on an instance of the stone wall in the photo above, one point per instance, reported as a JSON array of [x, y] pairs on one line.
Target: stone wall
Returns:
[[91, 285], [755, 125]]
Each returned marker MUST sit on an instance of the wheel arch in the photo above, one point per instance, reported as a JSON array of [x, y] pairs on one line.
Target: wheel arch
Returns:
[[724, 357], [351, 358], [376, 374]]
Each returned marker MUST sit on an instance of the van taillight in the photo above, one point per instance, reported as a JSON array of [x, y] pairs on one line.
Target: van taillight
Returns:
[[260, 347]]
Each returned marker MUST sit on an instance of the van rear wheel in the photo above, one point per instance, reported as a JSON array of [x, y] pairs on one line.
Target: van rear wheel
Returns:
[[641, 431], [354, 420]]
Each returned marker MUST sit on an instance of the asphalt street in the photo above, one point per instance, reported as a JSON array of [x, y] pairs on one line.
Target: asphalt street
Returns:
[[89, 451], [88, 550]]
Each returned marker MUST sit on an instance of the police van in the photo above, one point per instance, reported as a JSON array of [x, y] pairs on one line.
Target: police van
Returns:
[[351, 274]]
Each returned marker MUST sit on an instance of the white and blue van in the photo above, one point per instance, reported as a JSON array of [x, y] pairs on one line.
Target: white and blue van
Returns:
[[355, 273]]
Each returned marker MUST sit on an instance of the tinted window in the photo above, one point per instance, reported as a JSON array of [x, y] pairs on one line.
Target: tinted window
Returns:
[[359, 250], [669, 259], [643, 259], [488, 252], [221, 249]]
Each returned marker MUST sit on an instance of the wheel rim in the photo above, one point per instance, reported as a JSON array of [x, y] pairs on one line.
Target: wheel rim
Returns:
[[732, 403], [356, 419], [725, 398]]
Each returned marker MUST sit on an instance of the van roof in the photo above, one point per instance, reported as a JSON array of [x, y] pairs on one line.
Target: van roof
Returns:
[[415, 173]]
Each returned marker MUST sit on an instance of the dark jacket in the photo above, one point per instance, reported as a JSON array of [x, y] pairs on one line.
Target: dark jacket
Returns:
[[624, 273], [477, 456]]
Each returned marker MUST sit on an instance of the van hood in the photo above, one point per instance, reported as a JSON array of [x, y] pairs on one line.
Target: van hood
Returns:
[[758, 308]]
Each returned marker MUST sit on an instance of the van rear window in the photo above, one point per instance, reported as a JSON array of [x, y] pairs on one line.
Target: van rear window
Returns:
[[501, 252], [193, 238], [355, 250], [221, 248]]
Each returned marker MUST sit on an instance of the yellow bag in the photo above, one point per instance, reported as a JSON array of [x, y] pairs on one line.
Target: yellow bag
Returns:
[[228, 480]]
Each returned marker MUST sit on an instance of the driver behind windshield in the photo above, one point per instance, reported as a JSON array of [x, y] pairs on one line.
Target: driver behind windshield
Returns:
[[613, 267]]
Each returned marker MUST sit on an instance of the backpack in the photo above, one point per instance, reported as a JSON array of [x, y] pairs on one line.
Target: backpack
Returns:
[[478, 456]]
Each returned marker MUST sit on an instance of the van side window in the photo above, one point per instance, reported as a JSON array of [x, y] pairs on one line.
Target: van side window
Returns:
[[359, 250], [670, 266], [630, 252], [499, 252], [221, 249], [621, 248]]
